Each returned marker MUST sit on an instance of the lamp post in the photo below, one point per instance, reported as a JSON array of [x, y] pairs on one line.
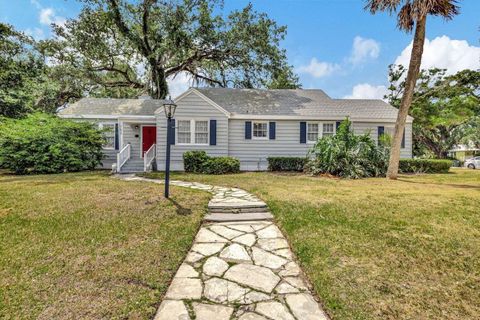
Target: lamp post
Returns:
[[169, 106]]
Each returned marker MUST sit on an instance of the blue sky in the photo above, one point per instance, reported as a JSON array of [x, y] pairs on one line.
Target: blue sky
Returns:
[[333, 45]]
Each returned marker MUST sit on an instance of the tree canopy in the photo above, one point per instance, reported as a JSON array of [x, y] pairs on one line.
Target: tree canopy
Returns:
[[137, 46], [444, 107]]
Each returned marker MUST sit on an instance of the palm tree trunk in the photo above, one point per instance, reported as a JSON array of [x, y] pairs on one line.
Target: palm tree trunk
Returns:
[[412, 75]]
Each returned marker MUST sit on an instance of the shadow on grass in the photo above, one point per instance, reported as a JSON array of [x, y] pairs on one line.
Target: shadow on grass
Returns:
[[180, 210], [460, 186]]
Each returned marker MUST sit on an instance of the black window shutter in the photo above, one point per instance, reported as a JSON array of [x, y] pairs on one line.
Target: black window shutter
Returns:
[[172, 131], [117, 142], [403, 139], [303, 132], [337, 125], [248, 130], [381, 132], [272, 130], [213, 132]]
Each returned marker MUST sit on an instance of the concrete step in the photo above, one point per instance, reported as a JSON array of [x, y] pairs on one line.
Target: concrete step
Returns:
[[225, 217], [238, 210]]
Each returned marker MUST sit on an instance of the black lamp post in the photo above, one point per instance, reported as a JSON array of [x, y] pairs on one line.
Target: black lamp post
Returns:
[[169, 106]]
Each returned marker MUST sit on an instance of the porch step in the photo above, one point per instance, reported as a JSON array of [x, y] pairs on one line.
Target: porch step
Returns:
[[238, 210], [132, 165], [226, 217]]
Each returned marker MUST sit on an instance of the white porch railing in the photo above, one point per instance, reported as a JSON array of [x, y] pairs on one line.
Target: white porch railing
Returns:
[[148, 157], [123, 156]]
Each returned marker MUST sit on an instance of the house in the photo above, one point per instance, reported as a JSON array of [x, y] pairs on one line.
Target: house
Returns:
[[463, 152], [247, 124]]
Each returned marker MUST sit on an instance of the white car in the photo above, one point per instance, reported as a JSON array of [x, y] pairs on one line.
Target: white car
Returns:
[[473, 163]]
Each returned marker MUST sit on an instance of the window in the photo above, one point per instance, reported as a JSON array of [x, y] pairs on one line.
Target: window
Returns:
[[192, 132], [184, 134], [328, 129], [312, 132], [201, 132], [260, 130], [108, 134]]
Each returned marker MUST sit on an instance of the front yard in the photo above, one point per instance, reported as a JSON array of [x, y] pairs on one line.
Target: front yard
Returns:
[[378, 249], [86, 246]]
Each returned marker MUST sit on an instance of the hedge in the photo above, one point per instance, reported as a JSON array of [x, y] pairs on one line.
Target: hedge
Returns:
[[200, 162], [424, 166], [286, 163], [41, 143]]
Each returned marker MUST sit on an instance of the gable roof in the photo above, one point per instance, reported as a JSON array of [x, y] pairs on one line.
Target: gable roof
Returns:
[[113, 107], [297, 102]]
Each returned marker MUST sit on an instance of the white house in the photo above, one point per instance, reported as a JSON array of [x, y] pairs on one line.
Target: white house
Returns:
[[247, 124]]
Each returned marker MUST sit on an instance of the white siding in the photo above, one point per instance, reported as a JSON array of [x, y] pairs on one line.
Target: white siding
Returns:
[[190, 107], [372, 127], [132, 133], [253, 153]]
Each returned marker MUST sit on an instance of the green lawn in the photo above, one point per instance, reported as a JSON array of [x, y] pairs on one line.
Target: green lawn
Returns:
[[378, 249], [86, 246]]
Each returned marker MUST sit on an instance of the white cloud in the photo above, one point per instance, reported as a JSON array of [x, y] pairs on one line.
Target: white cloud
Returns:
[[364, 49], [318, 69], [445, 53], [367, 91], [47, 16], [179, 84]]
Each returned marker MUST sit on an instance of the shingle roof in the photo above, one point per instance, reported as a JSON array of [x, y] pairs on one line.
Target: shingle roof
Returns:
[[115, 107], [296, 102]]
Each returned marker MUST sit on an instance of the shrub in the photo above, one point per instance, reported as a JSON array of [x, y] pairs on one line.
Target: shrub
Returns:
[[424, 166], [200, 162], [348, 155], [43, 143], [193, 161], [221, 165], [286, 163]]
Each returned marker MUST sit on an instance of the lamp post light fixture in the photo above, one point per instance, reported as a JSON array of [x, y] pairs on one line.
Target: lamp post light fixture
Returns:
[[169, 107]]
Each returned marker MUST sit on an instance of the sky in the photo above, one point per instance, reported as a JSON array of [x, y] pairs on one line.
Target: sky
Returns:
[[334, 45]]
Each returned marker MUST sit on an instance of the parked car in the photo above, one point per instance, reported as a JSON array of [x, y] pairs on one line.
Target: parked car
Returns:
[[473, 163]]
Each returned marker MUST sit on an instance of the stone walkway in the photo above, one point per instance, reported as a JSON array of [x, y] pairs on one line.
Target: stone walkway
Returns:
[[241, 270]]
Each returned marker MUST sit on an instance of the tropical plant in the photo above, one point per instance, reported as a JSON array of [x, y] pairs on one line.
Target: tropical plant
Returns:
[[410, 13], [42, 143], [141, 44], [347, 155]]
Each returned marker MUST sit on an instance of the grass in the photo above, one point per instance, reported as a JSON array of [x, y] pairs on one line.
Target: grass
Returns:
[[378, 249], [86, 246]]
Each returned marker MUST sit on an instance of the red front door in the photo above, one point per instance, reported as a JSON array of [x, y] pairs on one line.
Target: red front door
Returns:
[[149, 137]]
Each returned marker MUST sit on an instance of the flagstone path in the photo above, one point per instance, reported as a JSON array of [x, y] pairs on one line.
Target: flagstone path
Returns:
[[238, 269]]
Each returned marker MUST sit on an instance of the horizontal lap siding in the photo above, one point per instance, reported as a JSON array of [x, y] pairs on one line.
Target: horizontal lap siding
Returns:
[[372, 128], [253, 153], [191, 107]]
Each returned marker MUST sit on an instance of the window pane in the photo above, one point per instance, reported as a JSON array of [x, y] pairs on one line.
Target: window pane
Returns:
[[184, 131], [201, 132], [108, 134], [312, 132], [328, 129], [260, 129]]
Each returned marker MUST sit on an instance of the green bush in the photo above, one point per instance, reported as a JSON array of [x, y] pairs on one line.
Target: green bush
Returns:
[[193, 161], [200, 162], [221, 165], [43, 143], [424, 166], [348, 155], [286, 163]]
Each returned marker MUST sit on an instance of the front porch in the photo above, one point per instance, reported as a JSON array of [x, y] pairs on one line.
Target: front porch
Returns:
[[138, 141]]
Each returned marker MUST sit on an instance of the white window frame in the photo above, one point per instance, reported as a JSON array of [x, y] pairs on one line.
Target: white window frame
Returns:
[[318, 132], [101, 126], [267, 130], [334, 131], [192, 132], [320, 129]]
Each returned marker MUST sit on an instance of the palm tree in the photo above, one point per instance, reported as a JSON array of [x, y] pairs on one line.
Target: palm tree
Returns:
[[410, 13]]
